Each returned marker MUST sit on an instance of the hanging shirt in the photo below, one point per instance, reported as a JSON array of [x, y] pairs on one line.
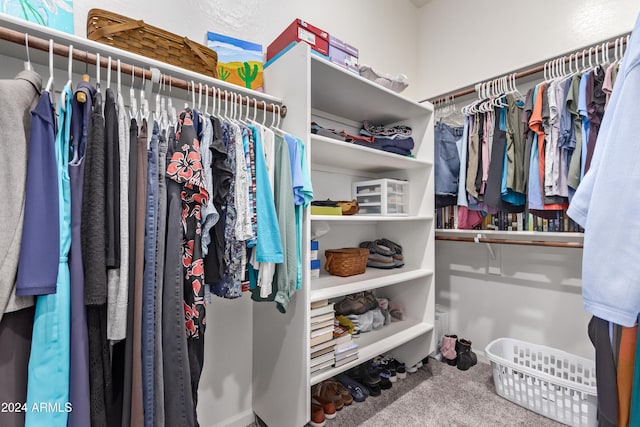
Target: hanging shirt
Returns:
[[40, 248], [268, 251], [535, 124], [302, 199], [210, 215], [462, 145], [582, 110], [573, 99], [18, 97], [118, 278], [606, 203], [49, 358], [222, 176]]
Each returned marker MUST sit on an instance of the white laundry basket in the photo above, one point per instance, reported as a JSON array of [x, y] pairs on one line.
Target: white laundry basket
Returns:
[[553, 383]]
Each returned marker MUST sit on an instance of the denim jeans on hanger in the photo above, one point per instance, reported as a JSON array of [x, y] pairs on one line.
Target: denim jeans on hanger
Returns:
[[149, 275], [447, 161]]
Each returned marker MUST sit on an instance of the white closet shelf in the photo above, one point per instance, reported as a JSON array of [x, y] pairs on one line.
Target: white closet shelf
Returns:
[[515, 235], [350, 96], [328, 286], [339, 154], [370, 218], [378, 342]]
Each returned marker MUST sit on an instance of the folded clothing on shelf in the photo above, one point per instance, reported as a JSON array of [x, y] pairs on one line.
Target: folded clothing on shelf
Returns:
[[380, 130]]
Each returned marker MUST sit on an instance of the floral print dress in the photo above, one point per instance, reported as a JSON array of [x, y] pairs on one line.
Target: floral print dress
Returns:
[[185, 167]]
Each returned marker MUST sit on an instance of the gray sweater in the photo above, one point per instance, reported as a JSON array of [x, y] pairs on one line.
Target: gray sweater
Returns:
[[17, 98]]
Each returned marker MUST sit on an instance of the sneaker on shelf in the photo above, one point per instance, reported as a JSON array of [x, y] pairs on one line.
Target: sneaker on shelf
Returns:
[[385, 371], [352, 304], [398, 367], [317, 415], [342, 391], [324, 393], [328, 408], [357, 390], [412, 369]]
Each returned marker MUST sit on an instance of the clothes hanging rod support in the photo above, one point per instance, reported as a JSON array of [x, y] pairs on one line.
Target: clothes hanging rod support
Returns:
[[470, 89], [90, 58], [544, 243]]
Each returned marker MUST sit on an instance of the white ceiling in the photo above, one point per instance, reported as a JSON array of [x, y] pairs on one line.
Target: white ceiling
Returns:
[[419, 3]]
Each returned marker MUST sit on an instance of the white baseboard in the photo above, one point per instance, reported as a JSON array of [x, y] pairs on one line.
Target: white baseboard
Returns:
[[242, 419]]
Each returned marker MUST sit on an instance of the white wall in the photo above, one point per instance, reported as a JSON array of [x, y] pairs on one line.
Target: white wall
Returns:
[[463, 42], [536, 296], [385, 32]]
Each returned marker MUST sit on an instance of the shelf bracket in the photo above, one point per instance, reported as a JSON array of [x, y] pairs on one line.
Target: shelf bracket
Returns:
[[489, 247]]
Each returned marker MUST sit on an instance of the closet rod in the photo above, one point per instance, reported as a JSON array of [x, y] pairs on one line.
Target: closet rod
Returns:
[[468, 90], [512, 242], [90, 58]]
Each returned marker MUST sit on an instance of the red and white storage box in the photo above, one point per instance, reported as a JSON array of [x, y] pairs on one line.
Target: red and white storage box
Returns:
[[553, 383], [300, 31]]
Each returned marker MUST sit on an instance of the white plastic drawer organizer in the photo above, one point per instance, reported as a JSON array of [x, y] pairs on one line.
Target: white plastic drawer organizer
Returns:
[[386, 197], [553, 383]]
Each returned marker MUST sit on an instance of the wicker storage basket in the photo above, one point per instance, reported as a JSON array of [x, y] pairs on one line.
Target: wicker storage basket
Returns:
[[137, 37], [346, 261]]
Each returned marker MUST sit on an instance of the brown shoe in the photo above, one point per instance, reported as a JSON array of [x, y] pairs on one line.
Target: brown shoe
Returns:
[[326, 391], [317, 415], [347, 399], [352, 304]]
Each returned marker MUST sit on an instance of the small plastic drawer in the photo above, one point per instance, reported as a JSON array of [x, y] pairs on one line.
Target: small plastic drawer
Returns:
[[377, 198], [382, 197], [370, 210]]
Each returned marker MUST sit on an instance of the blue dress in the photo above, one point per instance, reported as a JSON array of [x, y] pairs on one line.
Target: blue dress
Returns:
[[48, 384]]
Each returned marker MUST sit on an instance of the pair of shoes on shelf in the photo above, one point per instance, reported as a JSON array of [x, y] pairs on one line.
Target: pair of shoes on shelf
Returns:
[[368, 376], [330, 396], [318, 417], [383, 253], [357, 390], [457, 352], [358, 303], [396, 368]]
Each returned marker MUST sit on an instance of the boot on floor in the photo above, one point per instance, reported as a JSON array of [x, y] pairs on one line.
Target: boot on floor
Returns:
[[466, 357], [448, 349]]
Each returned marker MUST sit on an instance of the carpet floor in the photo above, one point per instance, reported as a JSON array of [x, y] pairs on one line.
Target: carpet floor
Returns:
[[440, 395]]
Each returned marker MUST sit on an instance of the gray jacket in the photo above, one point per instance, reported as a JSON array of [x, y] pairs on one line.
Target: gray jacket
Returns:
[[17, 98]]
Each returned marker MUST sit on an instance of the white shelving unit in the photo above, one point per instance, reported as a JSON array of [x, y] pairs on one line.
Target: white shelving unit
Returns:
[[316, 90]]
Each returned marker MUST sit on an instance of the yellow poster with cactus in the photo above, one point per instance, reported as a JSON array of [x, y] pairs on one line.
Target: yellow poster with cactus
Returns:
[[239, 62]]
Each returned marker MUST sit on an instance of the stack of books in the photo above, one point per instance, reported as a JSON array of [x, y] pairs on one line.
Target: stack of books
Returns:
[[345, 349], [322, 343]]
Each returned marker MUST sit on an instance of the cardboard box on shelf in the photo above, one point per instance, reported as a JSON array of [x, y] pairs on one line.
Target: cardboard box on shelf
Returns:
[[298, 31], [343, 54]]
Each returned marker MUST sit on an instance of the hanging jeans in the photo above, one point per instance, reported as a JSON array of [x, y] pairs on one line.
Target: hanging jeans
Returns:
[[447, 161], [148, 281]]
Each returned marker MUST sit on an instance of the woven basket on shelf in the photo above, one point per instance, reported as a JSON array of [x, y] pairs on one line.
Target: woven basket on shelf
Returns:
[[346, 261], [153, 42]]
